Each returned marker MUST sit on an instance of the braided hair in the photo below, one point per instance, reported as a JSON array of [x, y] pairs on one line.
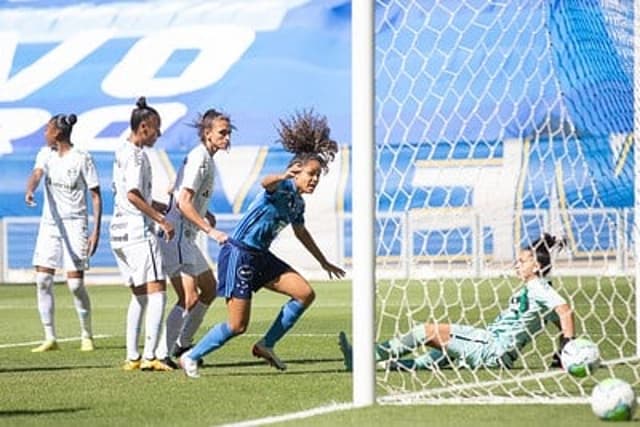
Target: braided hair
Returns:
[[64, 123], [141, 113], [541, 250], [307, 136]]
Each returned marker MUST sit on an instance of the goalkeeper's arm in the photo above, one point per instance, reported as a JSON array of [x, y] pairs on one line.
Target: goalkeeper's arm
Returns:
[[567, 326]]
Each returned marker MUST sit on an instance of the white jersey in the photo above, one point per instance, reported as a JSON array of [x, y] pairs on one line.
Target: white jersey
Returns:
[[131, 171], [67, 178], [197, 174]]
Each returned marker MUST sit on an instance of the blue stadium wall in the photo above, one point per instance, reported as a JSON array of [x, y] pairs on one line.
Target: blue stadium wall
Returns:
[[259, 64]]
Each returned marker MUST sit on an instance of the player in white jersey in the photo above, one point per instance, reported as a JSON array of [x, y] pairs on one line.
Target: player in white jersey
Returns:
[[184, 263], [63, 239], [530, 309], [133, 240]]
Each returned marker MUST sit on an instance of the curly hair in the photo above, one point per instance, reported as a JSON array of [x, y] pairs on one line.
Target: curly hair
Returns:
[[541, 249], [307, 135]]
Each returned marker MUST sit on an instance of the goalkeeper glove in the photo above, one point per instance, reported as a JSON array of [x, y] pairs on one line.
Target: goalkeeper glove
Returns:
[[556, 360]]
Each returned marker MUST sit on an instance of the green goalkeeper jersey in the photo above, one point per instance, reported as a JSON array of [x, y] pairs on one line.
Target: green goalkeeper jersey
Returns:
[[530, 308]]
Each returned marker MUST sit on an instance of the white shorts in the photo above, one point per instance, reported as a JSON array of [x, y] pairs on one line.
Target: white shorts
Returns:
[[140, 263], [63, 246], [182, 256]]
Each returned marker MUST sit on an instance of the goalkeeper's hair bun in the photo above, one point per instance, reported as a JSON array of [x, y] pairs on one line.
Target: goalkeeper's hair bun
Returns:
[[308, 136], [541, 249]]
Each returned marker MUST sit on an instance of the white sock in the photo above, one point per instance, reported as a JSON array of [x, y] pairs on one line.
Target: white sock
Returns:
[[153, 323], [192, 322], [83, 305], [46, 303], [175, 320], [137, 307]]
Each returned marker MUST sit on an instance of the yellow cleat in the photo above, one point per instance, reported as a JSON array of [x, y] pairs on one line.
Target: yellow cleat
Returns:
[[131, 365], [155, 365], [86, 344], [48, 345]]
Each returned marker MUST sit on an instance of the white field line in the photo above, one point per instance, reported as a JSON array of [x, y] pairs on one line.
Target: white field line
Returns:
[[25, 344], [334, 407]]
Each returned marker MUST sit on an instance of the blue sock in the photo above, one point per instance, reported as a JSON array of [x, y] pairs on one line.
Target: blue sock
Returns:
[[213, 340], [288, 316]]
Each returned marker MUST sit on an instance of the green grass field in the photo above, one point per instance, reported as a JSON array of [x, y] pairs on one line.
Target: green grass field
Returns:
[[69, 387]]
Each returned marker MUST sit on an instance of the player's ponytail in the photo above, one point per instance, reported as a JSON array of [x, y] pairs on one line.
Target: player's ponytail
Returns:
[[141, 113], [205, 121], [307, 135], [541, 250]]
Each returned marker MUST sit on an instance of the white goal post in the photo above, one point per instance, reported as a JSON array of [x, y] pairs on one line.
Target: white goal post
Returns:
[[490, 122]]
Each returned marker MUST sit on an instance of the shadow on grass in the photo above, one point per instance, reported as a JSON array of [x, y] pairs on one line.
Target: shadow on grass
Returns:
[[31, 412], [210, 367], [50, 368]]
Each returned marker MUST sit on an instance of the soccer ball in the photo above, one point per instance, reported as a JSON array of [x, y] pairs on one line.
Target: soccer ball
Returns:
[[613, 400], [580, 357]]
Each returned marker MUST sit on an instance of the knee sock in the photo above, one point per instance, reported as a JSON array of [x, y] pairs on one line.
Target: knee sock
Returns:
[[137, 306], [173, 324], [288, 316], [83, 305], [153, 323], [192, 322], [213, 340], [396, 347], [46, 304]]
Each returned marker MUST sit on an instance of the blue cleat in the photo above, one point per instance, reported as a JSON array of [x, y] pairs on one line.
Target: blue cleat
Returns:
[[347, 351]]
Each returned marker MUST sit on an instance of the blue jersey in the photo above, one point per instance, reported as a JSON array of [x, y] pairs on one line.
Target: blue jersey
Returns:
[[269, 214]]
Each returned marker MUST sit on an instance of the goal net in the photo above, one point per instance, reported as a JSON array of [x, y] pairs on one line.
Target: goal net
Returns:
[[496, 121]]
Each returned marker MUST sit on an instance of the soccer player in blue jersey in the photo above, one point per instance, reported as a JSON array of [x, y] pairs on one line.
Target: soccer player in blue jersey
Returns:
[[245, 263], [530, 309]]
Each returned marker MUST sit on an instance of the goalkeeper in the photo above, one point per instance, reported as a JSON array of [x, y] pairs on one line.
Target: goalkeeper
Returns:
[[530, 309]]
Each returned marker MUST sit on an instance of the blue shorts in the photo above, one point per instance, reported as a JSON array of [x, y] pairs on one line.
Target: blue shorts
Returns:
[[243, 269]]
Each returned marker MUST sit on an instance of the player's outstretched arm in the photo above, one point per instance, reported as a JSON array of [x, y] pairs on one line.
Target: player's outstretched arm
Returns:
[[270, 182], [307, 241], [96, 203]]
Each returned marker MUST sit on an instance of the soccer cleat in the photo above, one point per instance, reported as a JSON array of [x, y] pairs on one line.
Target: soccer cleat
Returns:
[[86, 344], [131, 365], [179, 351], [189, 366], [347, 351], [266, 353], [169, 362], [155, 365], [48, 345]]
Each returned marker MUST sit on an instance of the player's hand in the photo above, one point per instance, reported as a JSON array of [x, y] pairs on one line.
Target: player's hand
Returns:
[[293, 170], [29, 199], [333, 270], [93, 242], [217, 235], [168, 230]]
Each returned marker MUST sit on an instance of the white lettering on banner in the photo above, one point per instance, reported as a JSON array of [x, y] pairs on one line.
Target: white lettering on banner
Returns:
[[46, 68], [219, 48], [92, 122], [18, 123]]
